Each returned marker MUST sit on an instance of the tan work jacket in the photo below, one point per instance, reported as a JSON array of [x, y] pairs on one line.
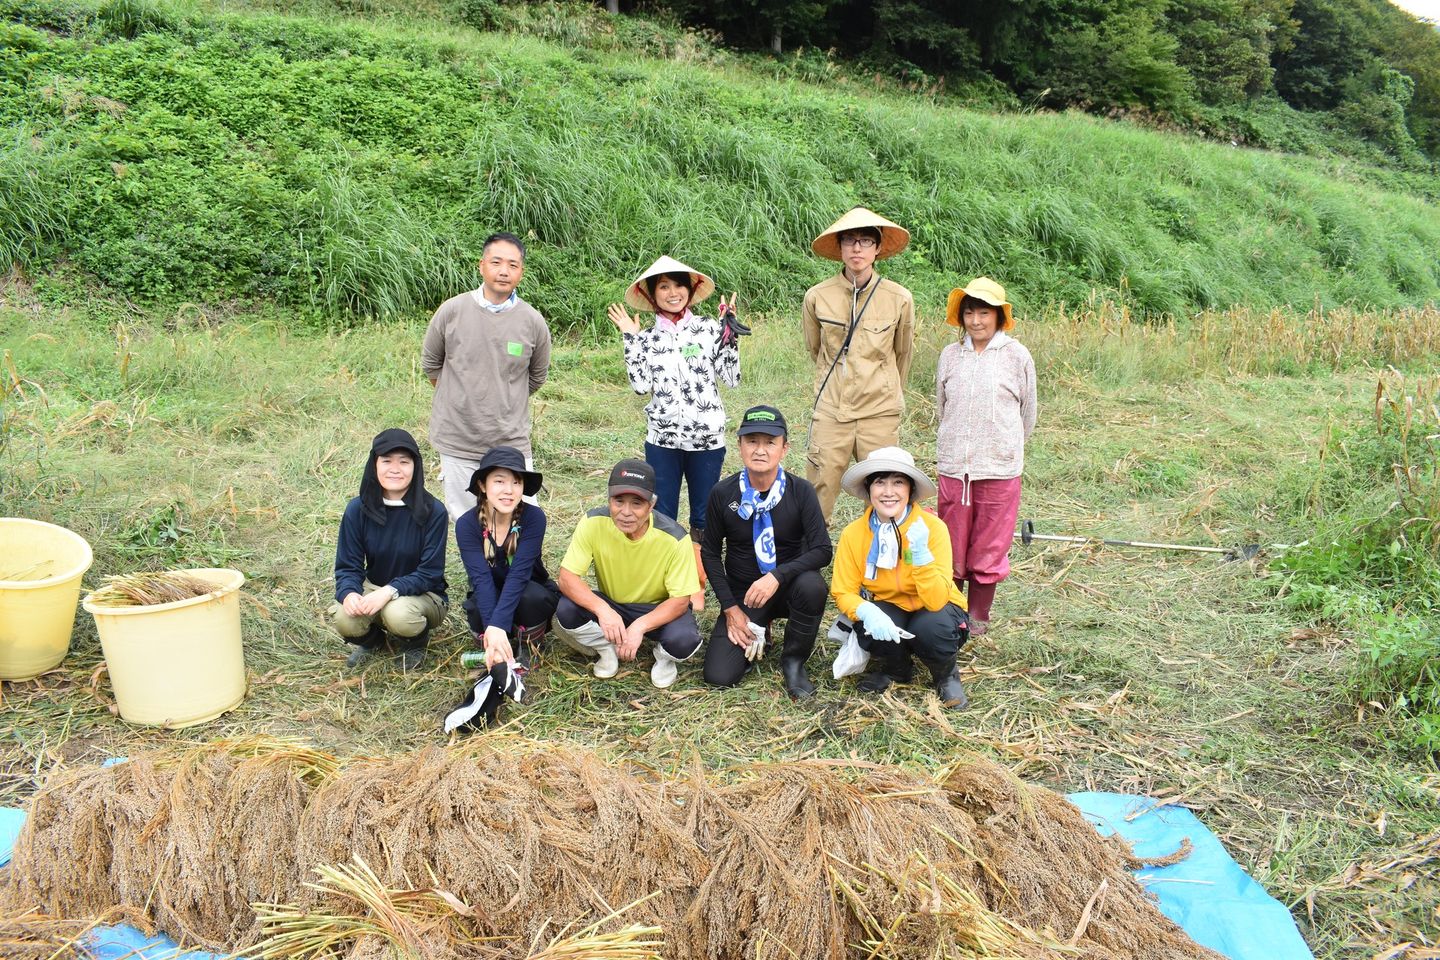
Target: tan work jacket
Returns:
[[869, 378]]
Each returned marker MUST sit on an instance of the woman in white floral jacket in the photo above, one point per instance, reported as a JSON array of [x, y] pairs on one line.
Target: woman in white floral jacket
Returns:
[[681, 361]]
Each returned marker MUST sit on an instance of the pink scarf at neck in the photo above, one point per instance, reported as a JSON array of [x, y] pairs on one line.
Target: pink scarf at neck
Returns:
[[663, 322]]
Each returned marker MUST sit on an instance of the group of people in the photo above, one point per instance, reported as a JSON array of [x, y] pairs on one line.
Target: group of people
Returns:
[[909, 584]]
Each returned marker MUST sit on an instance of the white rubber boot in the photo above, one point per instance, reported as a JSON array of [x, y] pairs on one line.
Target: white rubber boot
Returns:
[[589, 639], [608, 664], [664, 672]]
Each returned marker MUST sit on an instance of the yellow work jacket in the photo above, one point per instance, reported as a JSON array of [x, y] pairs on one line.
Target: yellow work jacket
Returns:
[[909, 587]]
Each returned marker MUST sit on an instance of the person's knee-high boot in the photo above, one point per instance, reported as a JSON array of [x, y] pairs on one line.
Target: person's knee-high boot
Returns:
[[894, 666], [947, 682], [800, 631], [589, 640]]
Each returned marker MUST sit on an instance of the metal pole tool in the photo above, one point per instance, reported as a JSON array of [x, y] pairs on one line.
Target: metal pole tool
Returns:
[[1247, 552]]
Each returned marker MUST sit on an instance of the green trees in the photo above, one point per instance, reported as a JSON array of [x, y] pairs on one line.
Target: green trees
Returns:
[[1365, 68]]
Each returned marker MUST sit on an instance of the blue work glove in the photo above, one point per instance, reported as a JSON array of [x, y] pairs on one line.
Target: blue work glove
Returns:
[[876, 623], [917, 538]]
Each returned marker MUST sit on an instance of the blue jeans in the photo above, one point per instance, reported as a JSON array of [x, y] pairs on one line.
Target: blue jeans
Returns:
[[701, 471]]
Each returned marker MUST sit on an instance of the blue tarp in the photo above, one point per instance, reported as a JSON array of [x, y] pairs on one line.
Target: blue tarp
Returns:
[[11, 820], [1207, 893], [126, 943]]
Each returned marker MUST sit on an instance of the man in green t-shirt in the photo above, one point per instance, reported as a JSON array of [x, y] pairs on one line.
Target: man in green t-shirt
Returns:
[[644, 577]]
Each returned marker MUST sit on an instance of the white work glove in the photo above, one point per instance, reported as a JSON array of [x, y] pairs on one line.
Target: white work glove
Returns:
[[756, 650], [876, 623], [917, 538]]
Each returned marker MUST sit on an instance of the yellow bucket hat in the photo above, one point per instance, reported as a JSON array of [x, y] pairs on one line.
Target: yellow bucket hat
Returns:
[[983, 289], [638, 296], [893, 237]]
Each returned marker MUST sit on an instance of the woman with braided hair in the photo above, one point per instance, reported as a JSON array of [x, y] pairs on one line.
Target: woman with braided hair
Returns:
[[512, 598]]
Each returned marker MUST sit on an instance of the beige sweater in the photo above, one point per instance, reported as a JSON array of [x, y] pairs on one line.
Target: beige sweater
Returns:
[[485, 366], [987, 408]]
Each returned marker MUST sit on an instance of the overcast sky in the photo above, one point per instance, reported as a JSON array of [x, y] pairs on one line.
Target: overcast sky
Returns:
[[1427, 9]]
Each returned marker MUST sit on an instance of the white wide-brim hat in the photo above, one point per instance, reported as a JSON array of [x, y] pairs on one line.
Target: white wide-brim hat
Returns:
[[637, 295], [887, 460], [893, 237]]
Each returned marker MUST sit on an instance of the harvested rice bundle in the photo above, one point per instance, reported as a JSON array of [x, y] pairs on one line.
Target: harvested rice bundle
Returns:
[[191, 839], [32, 935], [783, 860], [148, 589], [524, 833], [1045, 866], [366, 919], [64, 861], [775, 838]]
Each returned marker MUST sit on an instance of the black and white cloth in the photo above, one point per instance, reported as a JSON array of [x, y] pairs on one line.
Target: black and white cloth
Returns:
[[681, 365], [481, 705]]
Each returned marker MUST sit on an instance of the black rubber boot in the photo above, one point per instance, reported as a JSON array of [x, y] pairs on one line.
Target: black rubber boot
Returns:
[[897, 667], [797, 684], [947, 684], [876, 681], [363, 648], [800, 632], [413, 656]]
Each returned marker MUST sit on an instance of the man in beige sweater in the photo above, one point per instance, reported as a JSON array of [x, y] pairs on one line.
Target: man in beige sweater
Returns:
[[860, 332], [485, 352]]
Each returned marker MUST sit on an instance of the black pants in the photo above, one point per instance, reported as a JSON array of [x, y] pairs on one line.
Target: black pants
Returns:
[[800, 602], [939, 634], [536, 607], [680, 637]]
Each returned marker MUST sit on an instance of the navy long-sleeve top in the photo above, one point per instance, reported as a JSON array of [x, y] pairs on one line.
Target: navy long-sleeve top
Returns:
[[498, 584], [397, 553]]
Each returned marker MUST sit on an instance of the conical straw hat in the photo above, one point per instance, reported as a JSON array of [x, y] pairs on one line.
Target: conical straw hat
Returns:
[[893, 237], [638, 296]]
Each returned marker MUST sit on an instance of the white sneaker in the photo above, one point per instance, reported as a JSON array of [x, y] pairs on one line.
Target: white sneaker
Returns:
[[608, 663], [664, 672]]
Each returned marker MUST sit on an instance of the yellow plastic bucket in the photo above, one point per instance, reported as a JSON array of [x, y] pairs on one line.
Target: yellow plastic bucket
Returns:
[[40, 570], [176, 664]]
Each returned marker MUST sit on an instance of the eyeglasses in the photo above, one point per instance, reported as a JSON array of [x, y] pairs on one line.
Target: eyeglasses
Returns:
[[861, 243]]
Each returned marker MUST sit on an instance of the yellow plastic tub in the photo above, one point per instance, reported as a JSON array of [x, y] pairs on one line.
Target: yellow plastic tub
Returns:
[[176, 664], [40, 570]]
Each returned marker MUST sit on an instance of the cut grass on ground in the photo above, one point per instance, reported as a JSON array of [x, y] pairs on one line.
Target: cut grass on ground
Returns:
[[230, 441]]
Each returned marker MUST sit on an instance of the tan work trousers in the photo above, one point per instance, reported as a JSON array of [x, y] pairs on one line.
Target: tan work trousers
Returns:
[[835, 444], [402, 617]]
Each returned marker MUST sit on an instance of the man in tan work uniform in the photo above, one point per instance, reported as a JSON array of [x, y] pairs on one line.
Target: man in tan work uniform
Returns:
[[860, 331]]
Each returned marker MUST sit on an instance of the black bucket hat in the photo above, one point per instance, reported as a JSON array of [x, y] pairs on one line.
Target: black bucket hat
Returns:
[[510, 459]]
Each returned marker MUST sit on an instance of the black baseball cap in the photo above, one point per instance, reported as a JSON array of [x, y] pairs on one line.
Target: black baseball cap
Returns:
[[633, 476], [763, 419]]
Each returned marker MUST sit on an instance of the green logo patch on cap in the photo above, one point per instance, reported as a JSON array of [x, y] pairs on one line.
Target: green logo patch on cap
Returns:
[[759, 415], [515, 349]]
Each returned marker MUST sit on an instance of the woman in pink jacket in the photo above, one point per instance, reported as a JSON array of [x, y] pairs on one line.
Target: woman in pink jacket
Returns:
[[985, 394]]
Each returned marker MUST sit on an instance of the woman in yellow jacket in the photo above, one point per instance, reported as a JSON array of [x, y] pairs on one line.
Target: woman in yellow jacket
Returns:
[[893, 577]]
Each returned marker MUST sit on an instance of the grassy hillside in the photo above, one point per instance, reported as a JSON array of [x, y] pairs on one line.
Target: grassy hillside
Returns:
[[350, 167]]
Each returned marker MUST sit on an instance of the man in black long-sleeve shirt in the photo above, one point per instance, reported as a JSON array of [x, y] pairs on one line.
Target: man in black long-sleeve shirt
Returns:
[[764, 549]]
